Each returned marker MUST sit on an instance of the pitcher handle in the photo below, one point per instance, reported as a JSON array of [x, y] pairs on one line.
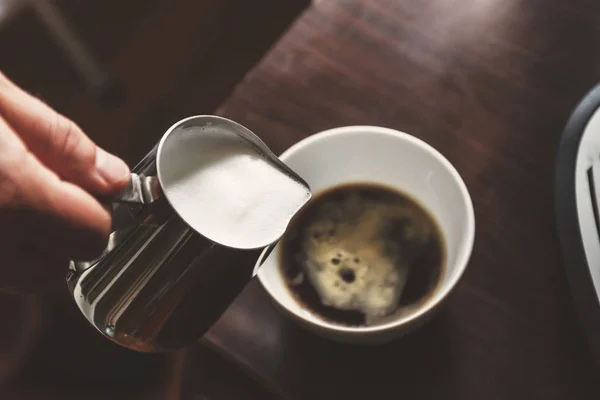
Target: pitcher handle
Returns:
[[140, 190]]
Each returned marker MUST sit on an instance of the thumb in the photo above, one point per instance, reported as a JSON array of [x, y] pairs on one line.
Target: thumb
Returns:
[[59, 143]]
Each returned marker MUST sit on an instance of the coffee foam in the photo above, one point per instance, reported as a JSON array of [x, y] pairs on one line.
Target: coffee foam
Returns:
[[224, 188], [352, 262]]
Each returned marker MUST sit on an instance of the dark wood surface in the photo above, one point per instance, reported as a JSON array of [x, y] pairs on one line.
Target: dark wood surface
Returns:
[[490, 84]]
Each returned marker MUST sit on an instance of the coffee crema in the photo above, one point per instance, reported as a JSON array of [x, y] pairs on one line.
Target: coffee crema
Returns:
[[362, 254]]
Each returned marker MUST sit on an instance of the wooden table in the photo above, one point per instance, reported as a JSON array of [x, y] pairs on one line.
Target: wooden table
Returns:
[[490, 83]]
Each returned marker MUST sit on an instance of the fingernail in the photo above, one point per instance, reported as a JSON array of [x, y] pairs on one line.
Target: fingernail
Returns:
[[111, 168]]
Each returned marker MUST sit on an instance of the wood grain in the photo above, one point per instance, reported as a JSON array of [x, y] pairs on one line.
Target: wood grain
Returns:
[[490, 84]]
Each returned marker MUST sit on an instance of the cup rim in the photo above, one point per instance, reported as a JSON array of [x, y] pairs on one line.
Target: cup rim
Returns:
[[462, 259]]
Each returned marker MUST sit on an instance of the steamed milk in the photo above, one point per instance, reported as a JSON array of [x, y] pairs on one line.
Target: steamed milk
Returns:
[[226, 190]]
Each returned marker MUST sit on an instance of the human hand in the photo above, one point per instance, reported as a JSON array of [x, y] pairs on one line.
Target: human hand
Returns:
[[48, 168]]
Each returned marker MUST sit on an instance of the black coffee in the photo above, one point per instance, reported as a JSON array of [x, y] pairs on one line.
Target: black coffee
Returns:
[[362, 254]]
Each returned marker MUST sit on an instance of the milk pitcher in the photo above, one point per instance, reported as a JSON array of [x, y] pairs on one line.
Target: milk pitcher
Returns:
[[202, 211]]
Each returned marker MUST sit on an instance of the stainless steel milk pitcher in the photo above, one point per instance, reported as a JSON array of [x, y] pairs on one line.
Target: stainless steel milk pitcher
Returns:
[[201, 213]]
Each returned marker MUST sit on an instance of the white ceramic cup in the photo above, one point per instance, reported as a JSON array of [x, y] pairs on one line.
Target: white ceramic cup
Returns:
[[370, 154]]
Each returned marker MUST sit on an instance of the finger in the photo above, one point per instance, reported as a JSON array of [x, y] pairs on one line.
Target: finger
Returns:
[[27, 184], [64, 203], [59, 143]]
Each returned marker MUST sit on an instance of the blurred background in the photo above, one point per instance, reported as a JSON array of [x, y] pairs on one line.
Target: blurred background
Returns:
[[124, 70]]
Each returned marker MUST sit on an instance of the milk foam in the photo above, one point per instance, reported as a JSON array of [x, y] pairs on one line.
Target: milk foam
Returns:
[[224, 189]]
